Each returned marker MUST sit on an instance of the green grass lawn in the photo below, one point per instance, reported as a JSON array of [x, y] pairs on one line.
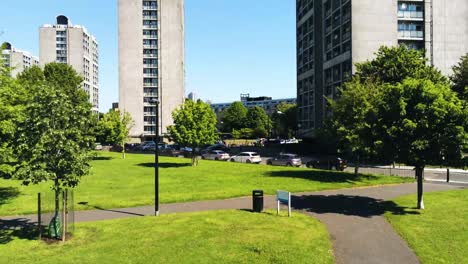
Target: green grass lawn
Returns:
[[208, 237], [118, 183], [438, 234]]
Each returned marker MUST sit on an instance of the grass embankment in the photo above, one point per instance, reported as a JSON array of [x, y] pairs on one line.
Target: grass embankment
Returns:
[[117, 183], [208, 237], [438, 234]]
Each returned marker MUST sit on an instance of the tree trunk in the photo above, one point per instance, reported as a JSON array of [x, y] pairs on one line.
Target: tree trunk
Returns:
[[420, 178], [57, 197], [194, 158], [123, 151], [356, 167]]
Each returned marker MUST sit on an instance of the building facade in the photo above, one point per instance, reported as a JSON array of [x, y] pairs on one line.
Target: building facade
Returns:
[[265, 102], [17, 60], [151, 63], [75, 46], [334, 35]]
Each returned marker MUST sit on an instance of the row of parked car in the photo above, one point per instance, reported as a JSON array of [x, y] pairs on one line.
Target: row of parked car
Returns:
[[290, 160], [221, 152]]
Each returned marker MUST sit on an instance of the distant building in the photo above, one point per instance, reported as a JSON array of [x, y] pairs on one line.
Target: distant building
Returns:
[[115, 106], [334, 35], [17, 59], [151, 63], [75, 46], [192, 96], [265, 102]]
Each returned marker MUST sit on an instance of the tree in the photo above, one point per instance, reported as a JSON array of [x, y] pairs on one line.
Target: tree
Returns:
[[395, 64], [354, 119], [55, 139], [285, 120], [114, 128], [13, 99], [403, 110], [233, 117], [460, 78], [433, 123], [258, 120], [194, 126]]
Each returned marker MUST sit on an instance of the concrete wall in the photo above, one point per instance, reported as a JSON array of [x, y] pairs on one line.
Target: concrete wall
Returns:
[[374, 23], [16, 62], [47, 45], [131, 62], [172, 52], [450, 33]]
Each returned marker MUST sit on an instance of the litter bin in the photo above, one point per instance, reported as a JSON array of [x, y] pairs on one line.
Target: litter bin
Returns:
[[257, 201]]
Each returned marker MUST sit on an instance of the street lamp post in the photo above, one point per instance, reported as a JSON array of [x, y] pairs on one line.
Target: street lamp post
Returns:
[[156, 164]]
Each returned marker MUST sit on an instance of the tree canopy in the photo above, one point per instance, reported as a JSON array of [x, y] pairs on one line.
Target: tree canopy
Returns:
[[194, 125], [285, 120], [233, 117], [258, 120], [460, 78], [397, 108], [113, 128], [395, 64], [55, 139]]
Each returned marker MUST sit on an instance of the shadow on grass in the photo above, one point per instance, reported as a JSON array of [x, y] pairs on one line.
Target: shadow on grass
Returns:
[[165, 165], [318, 175], [102, 158], [348, 205], [17, 228], [8, 193]]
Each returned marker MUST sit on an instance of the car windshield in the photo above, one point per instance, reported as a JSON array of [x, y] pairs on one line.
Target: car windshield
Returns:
[[254, 154]]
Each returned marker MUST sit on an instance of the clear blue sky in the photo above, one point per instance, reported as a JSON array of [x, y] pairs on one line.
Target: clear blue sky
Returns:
[[232, 46]]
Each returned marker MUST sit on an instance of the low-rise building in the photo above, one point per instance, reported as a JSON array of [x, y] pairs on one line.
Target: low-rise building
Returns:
[[16, 59], [267, 103]]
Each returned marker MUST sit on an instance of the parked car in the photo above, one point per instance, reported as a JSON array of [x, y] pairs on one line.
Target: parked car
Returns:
[[171, 151], [328, 163], [221, 147], [285, 160], [97, 146], [148, 146], [216, 155], [246, 157]]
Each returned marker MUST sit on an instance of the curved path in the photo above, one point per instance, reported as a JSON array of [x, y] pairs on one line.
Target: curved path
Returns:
[[354, 218]]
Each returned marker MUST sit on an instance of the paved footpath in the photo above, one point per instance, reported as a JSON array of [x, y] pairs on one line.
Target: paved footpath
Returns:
[[354, 218]]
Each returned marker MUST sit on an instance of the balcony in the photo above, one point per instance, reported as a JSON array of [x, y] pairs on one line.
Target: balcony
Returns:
[[150, 17], [150, 85], [150, 46], [150, 36], [150, 75], [150, 26], [150, 7], [411, 15], [149, 123], [150, 55], [150, 94], [150, 65], [149, 113], [411, 35]]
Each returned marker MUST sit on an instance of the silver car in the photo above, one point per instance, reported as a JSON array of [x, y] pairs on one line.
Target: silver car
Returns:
[[246, 157], [215, 155], [286, 160]]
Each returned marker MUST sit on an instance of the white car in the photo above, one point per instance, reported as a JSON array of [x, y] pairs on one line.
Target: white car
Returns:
[[246, 157], [216, 155]]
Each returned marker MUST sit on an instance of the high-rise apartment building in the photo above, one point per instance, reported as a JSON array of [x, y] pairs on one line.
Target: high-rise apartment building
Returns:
[[151, 63], [16, 59], [75, 46], [333, 35]]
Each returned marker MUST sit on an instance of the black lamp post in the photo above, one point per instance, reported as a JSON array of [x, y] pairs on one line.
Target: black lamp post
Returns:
[[156, 161]]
